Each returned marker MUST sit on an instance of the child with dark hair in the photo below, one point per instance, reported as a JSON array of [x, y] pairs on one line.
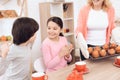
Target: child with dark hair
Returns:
[[19, 54], [55, 48]]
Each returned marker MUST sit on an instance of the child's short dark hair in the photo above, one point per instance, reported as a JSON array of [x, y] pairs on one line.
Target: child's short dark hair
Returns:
[[23, 29]]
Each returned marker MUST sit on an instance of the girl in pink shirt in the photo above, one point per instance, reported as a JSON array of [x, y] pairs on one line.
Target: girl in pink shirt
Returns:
[[55, 48]]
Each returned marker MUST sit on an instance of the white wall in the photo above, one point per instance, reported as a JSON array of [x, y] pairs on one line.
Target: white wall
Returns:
[[77, 5], [116, 5]]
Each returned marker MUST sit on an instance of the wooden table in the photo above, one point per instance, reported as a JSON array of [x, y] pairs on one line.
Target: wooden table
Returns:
[[98, 70]]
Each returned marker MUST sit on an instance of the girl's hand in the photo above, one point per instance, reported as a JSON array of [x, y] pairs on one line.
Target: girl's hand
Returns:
[[66, 57], [64, 51], [4, 49], [70, 48]]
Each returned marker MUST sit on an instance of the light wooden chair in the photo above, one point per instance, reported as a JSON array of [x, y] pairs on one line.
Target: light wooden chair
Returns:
[[39, 65]]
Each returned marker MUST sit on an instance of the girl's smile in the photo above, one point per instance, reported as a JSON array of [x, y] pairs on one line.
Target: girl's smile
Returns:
[[53, 30]]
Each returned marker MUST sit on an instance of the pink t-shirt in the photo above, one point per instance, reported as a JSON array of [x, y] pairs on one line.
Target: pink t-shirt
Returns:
[[50, 50]]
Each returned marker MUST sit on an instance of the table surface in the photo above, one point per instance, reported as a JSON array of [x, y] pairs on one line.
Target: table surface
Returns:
[[98, 70]]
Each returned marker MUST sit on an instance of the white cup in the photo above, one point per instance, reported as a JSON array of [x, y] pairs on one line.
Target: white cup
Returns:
[[39, 76]]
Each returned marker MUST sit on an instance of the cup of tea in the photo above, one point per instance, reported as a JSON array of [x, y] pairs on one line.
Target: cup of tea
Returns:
[[39, 76], [117, 60], [80, 66]]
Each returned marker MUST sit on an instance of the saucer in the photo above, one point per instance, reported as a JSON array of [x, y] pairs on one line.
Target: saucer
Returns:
[[116, 65], [83, 72]]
